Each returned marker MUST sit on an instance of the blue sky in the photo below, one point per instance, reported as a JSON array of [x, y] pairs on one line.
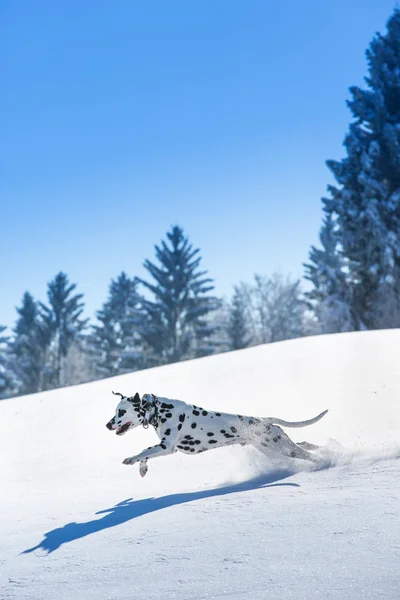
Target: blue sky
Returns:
[[120, 119]]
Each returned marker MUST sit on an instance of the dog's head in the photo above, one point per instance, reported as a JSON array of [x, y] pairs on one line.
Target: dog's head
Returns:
[[128, 415]]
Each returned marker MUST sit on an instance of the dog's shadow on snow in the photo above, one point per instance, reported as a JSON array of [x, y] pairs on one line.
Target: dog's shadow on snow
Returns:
[[131, 509]]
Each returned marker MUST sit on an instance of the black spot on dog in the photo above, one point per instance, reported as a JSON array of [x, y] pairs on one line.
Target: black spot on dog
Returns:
[[163, 420], [164, 405], [197, 442], [193, 425], [223, 431], [212, 441], [204, 413], [275, 439], [182, 417], [210, 434], [293, 454], [167, 432], [188, 437], [192, 450], [121, 412], [168, 415], [251, 422], [186, 448], [264, 444], [279, 437], [233, 429], [196, 412], [217, 414], [179, 426], [163, 446], [240, 417], [179, 446]]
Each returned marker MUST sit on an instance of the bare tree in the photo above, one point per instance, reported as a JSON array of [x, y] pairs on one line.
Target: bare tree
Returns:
[[76, 366], [278, 308]]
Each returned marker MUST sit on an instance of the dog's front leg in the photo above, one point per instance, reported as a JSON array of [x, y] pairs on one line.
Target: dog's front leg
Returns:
[[162, 449], [143, 468]]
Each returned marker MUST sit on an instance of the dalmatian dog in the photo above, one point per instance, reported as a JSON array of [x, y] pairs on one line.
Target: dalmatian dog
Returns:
[[190, 429]]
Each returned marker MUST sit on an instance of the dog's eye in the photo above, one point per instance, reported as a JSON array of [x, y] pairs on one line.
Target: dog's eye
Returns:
[[121, 412]]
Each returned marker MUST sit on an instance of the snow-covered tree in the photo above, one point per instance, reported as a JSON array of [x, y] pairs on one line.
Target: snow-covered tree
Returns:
[[76, 365], [115, 344], [62, 323], [174, 323], [28, 347], [280, 308], [329, 297], [365, 204], [237, 327], [6, 378]]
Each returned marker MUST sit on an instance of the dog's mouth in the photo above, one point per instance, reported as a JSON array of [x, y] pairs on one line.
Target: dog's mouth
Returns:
[[124, 428]]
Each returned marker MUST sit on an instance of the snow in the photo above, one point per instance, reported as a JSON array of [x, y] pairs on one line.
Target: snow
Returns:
[[230, 523]]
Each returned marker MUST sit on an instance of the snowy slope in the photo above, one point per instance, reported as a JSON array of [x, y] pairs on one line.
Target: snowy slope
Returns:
[[230, 523]]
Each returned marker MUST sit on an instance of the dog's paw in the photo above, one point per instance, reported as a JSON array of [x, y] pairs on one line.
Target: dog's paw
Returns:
[[143, 468], [129, 461]]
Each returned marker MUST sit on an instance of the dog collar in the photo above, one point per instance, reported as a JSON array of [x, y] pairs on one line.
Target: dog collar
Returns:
[[151, 414]]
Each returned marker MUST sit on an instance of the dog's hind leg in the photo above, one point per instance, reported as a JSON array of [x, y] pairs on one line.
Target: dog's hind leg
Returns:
[[289, 448], [307, 446], [278, 441]]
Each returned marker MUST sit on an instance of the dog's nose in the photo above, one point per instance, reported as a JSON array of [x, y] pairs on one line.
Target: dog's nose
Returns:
[[109, 425]]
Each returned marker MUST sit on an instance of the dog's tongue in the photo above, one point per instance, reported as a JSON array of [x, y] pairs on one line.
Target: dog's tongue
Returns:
[[123, 428]]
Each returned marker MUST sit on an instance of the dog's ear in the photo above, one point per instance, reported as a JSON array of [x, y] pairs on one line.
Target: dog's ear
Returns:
[[135, 399]]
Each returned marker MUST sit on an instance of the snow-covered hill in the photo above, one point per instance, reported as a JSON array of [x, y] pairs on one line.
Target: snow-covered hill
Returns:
[[230, 523]]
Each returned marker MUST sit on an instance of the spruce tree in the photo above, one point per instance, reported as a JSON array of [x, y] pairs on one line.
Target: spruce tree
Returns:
[[174, 322], [62, 324], [104, 344], [329, 297], [28, 347], [237, 327], [6, 379], [365, 204], [114, 339]]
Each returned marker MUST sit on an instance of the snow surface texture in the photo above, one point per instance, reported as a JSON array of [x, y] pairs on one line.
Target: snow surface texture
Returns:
[[229, 523]]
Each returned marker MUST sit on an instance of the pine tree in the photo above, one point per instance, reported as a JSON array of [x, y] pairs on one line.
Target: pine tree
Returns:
[[366, 202], [28, 347], [62, 324], [6, 379], [174, 323], [329, 297], [104, 344], [237, 325], [114, 340]]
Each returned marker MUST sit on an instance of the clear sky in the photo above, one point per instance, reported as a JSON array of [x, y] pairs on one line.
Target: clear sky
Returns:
[[119, 119]]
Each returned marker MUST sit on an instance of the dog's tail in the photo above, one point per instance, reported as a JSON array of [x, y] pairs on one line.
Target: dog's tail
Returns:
[[274, 421]]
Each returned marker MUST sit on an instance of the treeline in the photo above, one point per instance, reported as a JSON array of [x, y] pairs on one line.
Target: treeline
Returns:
[[168, 317], [172, 315]]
